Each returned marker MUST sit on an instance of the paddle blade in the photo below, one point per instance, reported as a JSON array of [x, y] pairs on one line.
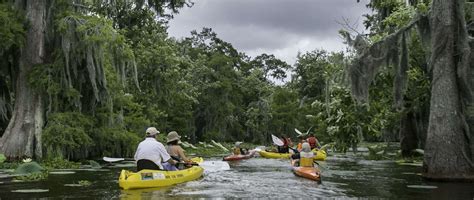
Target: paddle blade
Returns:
[[298, 131], [277, 141], [107, 159]]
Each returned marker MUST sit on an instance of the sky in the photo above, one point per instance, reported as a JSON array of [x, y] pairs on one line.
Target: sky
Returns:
[[279, 27]]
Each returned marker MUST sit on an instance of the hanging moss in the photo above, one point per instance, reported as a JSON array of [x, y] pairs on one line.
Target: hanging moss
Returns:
[[370, 59]]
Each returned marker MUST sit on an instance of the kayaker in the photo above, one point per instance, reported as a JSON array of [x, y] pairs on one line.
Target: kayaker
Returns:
[[151, 153], [237, 150], [299, 147], [313, 142], [306, 157], [286, 144], [175, 151]]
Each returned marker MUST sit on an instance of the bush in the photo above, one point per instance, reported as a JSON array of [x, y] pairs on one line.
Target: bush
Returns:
[[67, 135]]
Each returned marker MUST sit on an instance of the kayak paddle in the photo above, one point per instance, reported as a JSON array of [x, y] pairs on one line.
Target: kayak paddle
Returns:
[[277, 141]]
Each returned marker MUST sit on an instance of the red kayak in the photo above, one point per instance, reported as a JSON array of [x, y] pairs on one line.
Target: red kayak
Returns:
[[312, 173], [239, 157]]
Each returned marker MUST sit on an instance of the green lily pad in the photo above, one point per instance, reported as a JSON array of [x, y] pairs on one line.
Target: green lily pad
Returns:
[[62, 172], [416, 164], [73, 185], [28, 168], [422, 186], [94, 164], [31, 190]]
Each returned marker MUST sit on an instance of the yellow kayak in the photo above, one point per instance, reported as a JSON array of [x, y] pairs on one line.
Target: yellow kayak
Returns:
[[320, 155], [156, 178]]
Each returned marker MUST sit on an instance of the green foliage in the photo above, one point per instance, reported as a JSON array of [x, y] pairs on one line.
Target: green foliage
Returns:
[[36, 176], [94, 164], [2, 158], [68, 134], [11, 28], [28, 168], [84, 183], [112, 141], [9, 165], [60, 163]]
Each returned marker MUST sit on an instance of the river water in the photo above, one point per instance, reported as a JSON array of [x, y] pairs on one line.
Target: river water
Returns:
[[343, 176]]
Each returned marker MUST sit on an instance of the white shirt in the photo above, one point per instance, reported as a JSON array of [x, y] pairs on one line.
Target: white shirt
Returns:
[[153, 150]]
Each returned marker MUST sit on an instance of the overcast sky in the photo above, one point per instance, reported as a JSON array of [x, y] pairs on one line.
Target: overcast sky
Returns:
[[279, 27]]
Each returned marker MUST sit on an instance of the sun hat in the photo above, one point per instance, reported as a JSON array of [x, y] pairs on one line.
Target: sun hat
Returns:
[[238, 143], [172, 136], [151, 131]]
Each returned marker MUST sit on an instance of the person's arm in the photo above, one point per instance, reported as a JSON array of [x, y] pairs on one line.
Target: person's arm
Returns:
[[182, 156], [136, 154]]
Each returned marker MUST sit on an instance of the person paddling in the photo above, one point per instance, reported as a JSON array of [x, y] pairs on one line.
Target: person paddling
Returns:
[[237, 150], [286, 145], [306, 156], [299, 147], [313, 142], [151, 153], [175, 151]]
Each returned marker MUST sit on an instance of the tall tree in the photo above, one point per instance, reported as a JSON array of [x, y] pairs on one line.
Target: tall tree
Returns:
[[447, 153], [22, 137]]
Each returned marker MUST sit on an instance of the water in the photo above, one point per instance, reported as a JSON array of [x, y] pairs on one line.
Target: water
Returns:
[[343, 176]]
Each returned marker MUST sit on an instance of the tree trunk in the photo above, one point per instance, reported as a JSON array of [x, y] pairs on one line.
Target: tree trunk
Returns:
[[447, 152], [22, 137], [408, 134]]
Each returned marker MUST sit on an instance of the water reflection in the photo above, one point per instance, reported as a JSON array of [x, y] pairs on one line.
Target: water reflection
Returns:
[[343, 176]]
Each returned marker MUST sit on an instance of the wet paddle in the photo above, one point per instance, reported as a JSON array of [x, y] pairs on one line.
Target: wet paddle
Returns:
[[209, 166]]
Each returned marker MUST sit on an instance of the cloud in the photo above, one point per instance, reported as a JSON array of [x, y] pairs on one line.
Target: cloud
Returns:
[[279, 27]]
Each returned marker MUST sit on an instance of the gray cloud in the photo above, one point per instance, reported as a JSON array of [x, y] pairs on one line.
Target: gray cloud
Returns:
[[280, 27]]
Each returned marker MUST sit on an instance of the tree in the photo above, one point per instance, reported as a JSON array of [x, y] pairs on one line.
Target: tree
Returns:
[[22, 137], [448, 154]]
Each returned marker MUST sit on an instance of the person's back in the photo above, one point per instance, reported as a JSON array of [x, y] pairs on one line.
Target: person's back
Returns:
[[306, 156], [151, 150], [175, 151], [237, 150], [285, 147]]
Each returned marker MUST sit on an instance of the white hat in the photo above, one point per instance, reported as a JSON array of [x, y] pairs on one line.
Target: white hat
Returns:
[[151, 131], [238, 143]]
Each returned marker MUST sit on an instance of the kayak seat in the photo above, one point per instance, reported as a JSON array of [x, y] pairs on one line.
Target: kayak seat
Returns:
[[146, 164]]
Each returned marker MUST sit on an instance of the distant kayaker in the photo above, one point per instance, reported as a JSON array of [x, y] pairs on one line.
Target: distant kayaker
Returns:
[[313, 142], [302, 139], [237, 150], [286, 144], [151, 153], [306, 157], [175, 150]]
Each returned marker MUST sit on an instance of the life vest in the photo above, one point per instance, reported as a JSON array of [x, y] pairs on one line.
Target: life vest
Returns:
[[312, 142], [299, 147], [285, 142], [236, 151], [306, 162], [306, 159]]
